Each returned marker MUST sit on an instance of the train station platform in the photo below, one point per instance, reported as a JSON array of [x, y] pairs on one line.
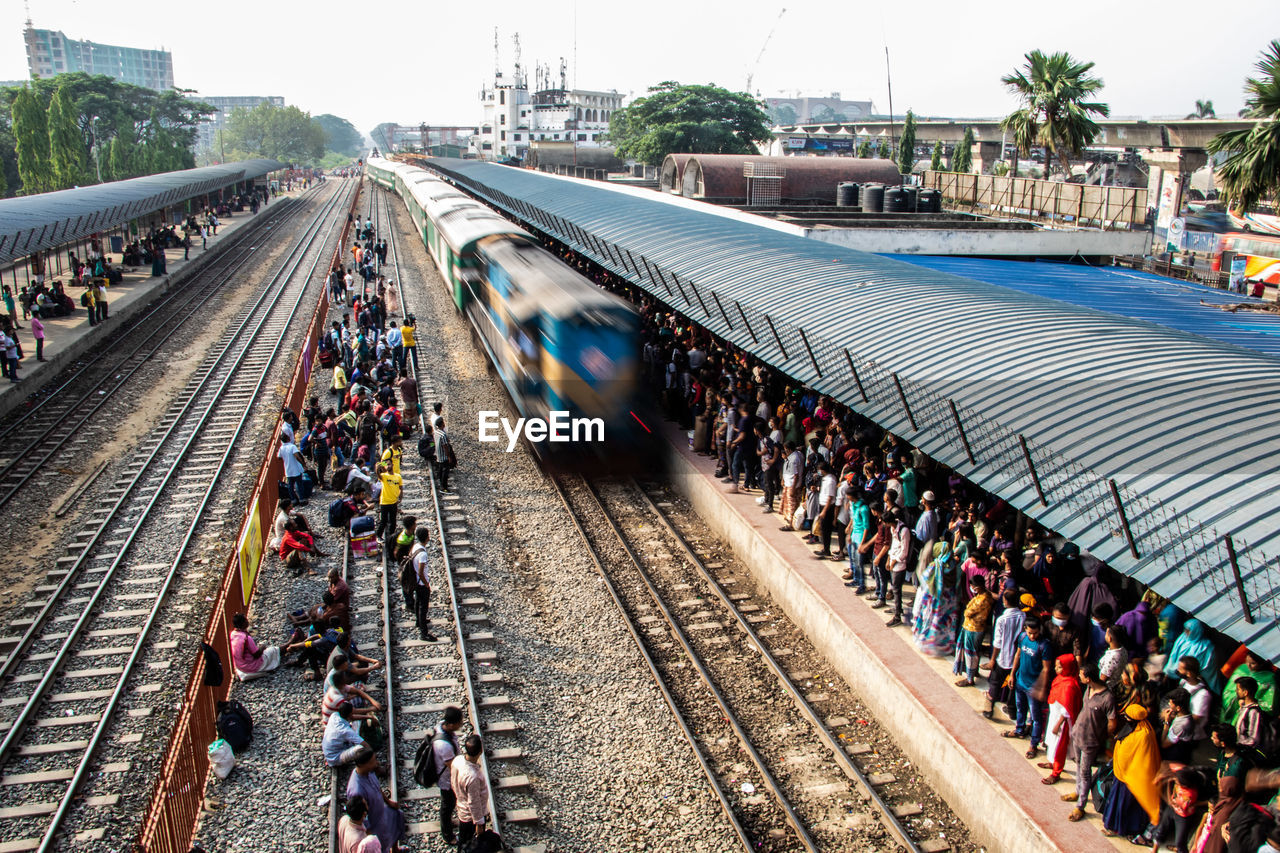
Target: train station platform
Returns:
[[68, 339], [982, 776]]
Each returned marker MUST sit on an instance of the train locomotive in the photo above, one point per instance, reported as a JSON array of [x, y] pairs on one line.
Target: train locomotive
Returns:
[[565, 350]]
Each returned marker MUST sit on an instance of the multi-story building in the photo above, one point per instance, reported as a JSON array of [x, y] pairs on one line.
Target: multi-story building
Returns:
[[50, 52], [207, 131], [514, 117], [815, 108]]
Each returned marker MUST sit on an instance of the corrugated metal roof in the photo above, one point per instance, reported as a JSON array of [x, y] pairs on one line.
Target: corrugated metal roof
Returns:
[[993, 382], [1183, 305], [30, 224]]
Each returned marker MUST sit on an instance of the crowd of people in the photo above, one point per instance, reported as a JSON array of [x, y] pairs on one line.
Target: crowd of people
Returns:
[[353, 449], [1171, 731]]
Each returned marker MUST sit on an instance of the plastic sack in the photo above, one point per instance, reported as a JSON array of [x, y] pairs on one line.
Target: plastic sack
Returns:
[[221, 758]]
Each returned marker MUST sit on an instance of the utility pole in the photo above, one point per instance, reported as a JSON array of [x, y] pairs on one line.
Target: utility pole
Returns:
[[889, 82]]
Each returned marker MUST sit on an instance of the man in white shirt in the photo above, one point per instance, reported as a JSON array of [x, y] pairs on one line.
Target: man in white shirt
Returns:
[[340, 743], [1201, 696], [444, 749], [1004, 643], [294, 468]]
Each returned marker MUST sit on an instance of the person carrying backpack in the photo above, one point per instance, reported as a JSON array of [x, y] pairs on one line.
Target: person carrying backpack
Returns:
[[431, 766], [899, 562], [422, 589]]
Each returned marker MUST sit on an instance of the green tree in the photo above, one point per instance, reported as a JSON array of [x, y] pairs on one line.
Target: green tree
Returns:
[[694, 119], [1204, 109], [286, 134], [1056, 112], [1251, 171], [31, 134], [883, 151], [907, 145], [864, 149], [962, 158], [341, 135], [66, 144], [935, 162]]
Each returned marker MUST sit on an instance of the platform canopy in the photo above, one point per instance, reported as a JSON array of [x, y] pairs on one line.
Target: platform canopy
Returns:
[[34, 223], [1149, 446]]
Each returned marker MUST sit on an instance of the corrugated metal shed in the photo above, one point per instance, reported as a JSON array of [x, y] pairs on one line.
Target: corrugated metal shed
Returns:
[[1148, 446], [30, 224], [1182, 305]]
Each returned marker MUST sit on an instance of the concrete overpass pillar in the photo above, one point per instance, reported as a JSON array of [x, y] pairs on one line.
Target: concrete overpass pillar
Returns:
[[985, 154], [1177, 164]]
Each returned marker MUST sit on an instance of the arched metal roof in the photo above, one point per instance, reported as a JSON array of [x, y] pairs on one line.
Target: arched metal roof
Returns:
[[29, 224], [1149, 446]]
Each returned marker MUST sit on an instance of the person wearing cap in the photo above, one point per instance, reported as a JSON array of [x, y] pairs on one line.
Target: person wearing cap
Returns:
[[926, 529]]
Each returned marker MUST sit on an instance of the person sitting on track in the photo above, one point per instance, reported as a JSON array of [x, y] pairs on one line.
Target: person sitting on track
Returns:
[[314, 649], [296, 546], [337, 586], [284, 509], [357, 664], [250, 660], [341, 687], [340, 743]]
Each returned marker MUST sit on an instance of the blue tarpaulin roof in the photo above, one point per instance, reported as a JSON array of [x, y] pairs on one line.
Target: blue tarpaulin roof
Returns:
[[1182, 305], [1150, 446]]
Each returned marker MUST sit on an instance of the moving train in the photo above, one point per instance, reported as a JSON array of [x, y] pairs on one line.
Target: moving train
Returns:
[[559, 343]]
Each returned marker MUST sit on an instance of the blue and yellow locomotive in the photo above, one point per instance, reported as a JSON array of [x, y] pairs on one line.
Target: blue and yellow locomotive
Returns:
[[559, 343]]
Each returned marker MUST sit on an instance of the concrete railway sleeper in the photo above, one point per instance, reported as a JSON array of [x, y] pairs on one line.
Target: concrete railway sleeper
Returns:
[[212, 409]]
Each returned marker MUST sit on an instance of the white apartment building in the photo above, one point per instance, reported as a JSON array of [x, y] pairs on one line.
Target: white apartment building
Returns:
[[514, 117]]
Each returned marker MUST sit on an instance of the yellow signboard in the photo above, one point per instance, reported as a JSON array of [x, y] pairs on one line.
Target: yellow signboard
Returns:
[[250, 553]]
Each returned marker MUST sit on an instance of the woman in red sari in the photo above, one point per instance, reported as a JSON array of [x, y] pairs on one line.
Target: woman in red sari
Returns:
[[1065, 699]]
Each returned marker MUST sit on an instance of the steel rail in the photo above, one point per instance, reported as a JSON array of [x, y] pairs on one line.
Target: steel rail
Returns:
[[185, 311], [473, 698], [15, 655], [712, 778], [140, 644], [890, 821], [218, 265], [696, 660]]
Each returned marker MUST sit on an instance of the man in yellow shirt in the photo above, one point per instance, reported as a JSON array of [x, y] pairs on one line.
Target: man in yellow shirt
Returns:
[[339, 386], [409, 342], [388, 503]]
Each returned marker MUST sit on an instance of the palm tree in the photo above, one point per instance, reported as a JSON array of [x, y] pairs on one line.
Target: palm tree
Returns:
[[1204, 109], [1251, 171], [1055, 113]]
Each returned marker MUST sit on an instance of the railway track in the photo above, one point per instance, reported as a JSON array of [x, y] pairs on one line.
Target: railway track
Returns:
[[460, 666], [782, 766], [74, 672], [41, 432]]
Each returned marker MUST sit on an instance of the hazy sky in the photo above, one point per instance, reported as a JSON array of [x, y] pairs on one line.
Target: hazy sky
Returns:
[[426, 61]]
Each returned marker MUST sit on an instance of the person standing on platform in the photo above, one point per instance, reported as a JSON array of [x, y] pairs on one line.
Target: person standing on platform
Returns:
[[1030, 685], [408, 330], [37, 331], [395, 340], [1099, 719], [471, 790], [899, 561], [86, 299], [100, 301], [388, 501], [11, 307]]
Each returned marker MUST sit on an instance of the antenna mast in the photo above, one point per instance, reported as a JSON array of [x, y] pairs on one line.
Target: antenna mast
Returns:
[[889, 83], [519, 72], [497, 63]]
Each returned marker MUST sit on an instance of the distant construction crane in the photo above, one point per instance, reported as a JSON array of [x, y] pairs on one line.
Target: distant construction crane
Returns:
[[756, 65]]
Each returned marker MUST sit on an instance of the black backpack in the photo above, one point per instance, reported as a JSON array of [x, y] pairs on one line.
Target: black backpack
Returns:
[[424, 760], [213, 673], [235, 726], [339, 513], [427, 446]]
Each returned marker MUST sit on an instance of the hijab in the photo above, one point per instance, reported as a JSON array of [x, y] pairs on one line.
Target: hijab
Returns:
[[1065, 689], [1192, 642], [1230, 796], [1137, 761]]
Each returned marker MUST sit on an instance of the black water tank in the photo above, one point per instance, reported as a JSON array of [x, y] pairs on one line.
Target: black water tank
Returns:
[[930, 201], [873, 198], [846, 194], [895, 200], [912, 198]]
